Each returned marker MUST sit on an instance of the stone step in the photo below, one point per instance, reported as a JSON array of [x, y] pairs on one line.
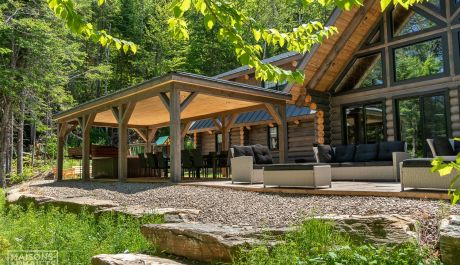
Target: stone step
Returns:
[[131, 259], [202, 242]]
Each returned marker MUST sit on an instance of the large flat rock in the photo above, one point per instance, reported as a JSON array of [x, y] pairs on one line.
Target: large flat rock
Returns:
[[171, 215], [76, 204], [131, 259], [377, 229], [203, 242], [450, 240]]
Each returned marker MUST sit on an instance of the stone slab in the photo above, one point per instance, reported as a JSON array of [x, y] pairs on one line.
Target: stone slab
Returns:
[[450, 240], [131, 259], [202, 242]]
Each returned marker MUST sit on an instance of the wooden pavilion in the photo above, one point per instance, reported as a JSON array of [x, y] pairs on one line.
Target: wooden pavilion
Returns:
[[174, 100]]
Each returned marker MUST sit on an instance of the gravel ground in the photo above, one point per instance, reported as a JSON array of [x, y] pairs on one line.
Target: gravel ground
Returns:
[[250, 208]]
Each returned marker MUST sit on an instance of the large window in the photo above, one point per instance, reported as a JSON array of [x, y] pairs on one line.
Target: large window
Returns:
[[273, 143], [420, 118], [408, 21], [365, 72], [218, 142], [364, 123], [421, 59]]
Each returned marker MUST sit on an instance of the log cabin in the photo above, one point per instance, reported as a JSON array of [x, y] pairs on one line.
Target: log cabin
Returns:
[[392, 75]]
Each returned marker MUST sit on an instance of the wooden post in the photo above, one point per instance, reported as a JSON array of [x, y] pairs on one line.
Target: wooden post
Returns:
[[283, 134], [241, 135], [175, 134], [85, 122], [122, 114], [63, 130], [150, 138]]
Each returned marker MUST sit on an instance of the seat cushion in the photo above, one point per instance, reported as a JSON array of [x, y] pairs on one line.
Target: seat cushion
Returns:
[[365, 152], [386, 150], [456, 147], [262, 155], [417, 162], [286, 167], [344, 153], [239, 150], [443, 147], [325, 153], [379, 163], [352, 164]]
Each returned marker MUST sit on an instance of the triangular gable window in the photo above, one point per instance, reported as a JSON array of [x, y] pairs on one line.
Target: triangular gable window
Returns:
[[408, 21], [364, 72], [375, 37]]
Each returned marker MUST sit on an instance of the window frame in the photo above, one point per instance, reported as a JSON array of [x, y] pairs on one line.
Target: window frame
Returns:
[[355, 58], [456, 47], [439, 24], [362, 104], [445, 50], [216, 138], [396, 117], [269, 137]]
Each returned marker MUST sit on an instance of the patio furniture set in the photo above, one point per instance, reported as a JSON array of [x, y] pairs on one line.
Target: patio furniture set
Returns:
[[193, 163], [384, 161]]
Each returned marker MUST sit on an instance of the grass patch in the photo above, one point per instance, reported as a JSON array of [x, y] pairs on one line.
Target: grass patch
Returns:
[[316, 242], [77, 237]]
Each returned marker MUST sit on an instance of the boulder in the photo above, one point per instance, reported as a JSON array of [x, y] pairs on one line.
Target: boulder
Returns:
[[376, 229], [131, 259], [450, 240], [171, 215], [202, 242]]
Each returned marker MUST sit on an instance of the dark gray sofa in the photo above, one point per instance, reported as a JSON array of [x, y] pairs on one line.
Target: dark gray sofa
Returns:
[[378, 161]]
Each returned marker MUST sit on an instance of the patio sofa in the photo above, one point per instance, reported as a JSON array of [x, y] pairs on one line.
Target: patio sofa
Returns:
[[378, 161], [254, 164], [416, 173]]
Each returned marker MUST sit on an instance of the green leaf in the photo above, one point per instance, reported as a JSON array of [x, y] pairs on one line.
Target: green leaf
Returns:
[[384, 4], [133, 48], [125, 48], [257, 34], [185, 5], [209, 21], [100, 2]]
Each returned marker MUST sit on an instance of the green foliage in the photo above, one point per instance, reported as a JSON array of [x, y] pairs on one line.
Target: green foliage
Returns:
[[66, 10], [77, 237], [232, 23], [446, 168], [316, 242]]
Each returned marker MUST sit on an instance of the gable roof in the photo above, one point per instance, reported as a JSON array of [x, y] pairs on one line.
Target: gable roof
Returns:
[[325, 62], [278, 58], [252, 117]]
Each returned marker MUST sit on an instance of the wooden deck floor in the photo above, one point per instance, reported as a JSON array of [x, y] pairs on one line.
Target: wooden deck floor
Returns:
[[339, 188]]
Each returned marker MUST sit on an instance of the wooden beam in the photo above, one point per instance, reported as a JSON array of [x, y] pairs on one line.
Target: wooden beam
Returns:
[[245, 95], [85, 124], [123, 114], [63, 130], [273, 112], [150, 139], [219, 125], [175, 134], [185, 128], [283, 134], [338, 46], [143, 133], [188, 100], [241, 135], [165, 99]]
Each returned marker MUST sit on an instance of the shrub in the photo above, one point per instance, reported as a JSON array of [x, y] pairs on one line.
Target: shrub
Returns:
[[76, 237], [316, 242]]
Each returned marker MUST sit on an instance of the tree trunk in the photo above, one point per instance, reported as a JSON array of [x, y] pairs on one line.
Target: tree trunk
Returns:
[[20, 140], [4, 142], [32, 141], [10, 144]]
